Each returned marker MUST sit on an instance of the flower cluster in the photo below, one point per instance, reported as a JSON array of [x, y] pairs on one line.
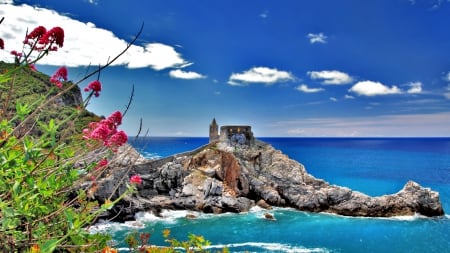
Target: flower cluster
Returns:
[[95, 87], [60, 74], [136, 179], [41, 39], [106, 131]]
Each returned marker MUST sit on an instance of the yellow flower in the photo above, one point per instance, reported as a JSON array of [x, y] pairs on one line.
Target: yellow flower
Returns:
[[35, 249]]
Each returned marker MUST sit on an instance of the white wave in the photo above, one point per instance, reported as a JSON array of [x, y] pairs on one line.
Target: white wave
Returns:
[[270, 247], [150, 155], [109, 227], [167, 216]]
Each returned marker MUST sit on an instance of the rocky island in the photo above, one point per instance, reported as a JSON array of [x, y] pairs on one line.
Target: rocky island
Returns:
[[235, 172]]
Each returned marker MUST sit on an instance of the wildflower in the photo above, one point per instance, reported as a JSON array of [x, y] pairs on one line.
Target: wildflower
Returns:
[[54, 35], [106, 132], [16, 54], [109, 250], [102, 163], [37, 33], [33, 67], [60, 74], [116, 118], [2, 44], [117, 140], [94, 86], [35, 249], [136, 179]]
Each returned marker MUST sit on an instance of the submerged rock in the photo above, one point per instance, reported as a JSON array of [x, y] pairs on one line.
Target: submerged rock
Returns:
[[218, 178]]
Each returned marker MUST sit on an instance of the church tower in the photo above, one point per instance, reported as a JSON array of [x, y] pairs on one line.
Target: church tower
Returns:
[[213, 131]]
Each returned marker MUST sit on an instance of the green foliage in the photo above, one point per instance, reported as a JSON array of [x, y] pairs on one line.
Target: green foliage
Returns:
[[42, 207], [194, 244]]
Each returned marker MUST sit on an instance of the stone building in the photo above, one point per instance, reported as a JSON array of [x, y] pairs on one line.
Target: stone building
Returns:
[[235, 134]]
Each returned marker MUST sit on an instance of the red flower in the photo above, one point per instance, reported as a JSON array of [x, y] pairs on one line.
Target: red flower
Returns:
[[37, 33], [136, 179], [95, 86], [2, 44], [54, 35], [102, 163], [60, 74]]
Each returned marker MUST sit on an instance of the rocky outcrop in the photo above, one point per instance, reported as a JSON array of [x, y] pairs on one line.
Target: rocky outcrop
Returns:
[[220, 178]]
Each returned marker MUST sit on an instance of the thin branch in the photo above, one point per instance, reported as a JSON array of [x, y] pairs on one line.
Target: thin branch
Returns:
[[130, 100]]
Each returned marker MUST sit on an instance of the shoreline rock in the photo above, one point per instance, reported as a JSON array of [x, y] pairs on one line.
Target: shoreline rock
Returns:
[[218, 178]]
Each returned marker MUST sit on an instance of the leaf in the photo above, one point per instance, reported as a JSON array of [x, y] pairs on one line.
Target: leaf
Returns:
[[49, 246]]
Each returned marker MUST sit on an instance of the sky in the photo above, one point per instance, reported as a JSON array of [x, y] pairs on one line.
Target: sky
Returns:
[[311, 68]]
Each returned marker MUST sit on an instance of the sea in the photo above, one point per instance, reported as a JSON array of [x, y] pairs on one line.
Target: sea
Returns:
[[374, 166]]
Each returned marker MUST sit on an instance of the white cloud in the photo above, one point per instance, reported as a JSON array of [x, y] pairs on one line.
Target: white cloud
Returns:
[[317, 38], [178, 73], [447, 77], [349, 96], [260, 75], [264, 14], [370, 88], [415, 88], [427, 125], [333, 99], [331, 77], [306, 89], [84, 43], [447, 94]]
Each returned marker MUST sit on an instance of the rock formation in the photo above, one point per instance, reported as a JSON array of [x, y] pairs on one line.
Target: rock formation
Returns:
[[221, 178]]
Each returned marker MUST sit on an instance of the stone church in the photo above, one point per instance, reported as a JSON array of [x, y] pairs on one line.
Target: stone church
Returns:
[[242, 135]]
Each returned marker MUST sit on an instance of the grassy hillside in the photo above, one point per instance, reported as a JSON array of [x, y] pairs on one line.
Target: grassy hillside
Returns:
[[28, 87]]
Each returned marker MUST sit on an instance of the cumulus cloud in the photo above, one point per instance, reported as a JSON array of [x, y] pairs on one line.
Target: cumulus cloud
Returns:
[[306, 89], [331, 77], [370, 88], [260, 75], [317, 38], [84, 42], [415, 88], [178, 73], [333, 99]]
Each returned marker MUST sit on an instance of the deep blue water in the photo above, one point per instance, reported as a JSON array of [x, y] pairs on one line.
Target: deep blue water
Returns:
[[374, 166]]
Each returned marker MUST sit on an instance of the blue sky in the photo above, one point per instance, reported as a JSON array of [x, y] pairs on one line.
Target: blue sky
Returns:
[[288, 68]]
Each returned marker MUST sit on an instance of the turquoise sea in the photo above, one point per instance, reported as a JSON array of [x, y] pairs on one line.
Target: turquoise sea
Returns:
[[374, 166]]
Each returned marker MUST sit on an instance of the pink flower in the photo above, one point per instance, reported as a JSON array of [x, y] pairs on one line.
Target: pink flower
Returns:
[[106, 132], [116, 118], [117, 140], [136, 179], [54, 35], [94, 86], [33, 67], [102, 163], [60, 74]]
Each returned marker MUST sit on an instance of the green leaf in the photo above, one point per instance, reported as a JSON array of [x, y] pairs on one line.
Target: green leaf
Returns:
[[49, 246]]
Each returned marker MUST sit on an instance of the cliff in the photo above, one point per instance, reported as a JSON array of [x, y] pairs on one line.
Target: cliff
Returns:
[[219, 178]]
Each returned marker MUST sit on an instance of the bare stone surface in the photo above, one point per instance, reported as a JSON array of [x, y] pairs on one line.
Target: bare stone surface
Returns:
[[219, 178]]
